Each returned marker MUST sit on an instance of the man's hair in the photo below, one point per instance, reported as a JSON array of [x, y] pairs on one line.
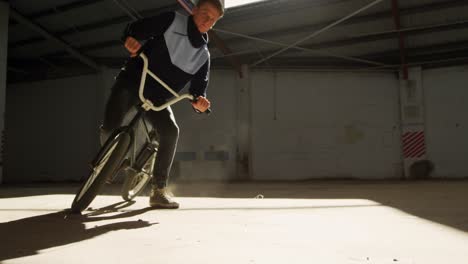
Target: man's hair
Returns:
[[215, 3]]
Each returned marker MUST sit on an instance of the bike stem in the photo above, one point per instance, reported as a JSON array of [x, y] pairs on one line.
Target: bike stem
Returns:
[[147, 104]]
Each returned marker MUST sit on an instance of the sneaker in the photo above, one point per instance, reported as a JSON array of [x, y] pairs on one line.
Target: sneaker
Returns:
[[159, 198]]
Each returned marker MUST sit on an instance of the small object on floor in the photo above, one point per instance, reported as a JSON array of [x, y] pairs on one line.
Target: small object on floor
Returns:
[[260, 196]]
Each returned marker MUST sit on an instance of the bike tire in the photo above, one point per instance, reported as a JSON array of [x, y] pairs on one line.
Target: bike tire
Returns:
[[135, 183], [108, 161]]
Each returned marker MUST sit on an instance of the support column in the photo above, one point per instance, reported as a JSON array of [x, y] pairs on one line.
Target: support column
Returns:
[[244, 151], [412, 119], [4, 15]]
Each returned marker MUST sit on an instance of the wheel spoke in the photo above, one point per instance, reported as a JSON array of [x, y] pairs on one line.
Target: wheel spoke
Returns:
[[137, 183], [96, 171]]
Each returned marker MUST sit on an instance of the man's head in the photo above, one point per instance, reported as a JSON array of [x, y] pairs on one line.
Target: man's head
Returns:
[[206, 13]]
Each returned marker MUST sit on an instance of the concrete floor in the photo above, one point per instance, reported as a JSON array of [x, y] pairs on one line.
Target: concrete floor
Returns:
[[308, 222]]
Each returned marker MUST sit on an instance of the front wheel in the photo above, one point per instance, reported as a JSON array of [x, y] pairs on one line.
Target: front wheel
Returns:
[[108, 161]]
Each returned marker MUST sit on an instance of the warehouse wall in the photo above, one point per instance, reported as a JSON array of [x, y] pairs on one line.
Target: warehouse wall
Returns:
[[446, 97], [325, 125], [51, 129], [303, 125], [207, 144]]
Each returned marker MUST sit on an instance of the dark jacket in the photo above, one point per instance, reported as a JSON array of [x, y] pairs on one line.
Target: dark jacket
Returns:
[[154, 33]]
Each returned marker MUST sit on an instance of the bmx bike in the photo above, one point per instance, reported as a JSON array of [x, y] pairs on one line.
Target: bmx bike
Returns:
[[116, 156]]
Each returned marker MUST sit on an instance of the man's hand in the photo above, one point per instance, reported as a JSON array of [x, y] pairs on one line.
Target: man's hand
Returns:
[[201, 104], [132, 45]]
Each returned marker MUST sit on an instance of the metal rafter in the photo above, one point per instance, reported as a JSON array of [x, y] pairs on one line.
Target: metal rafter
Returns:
[[354, 20], [318, 32], [365, 19], [39, 29], [358, 19], [323, 53], [362, 38], [314, 47], [62, 8], [433, 54], [96, 25], [133, 14]]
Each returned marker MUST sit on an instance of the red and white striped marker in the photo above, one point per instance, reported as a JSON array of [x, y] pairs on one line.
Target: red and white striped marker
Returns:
[[414, 145]]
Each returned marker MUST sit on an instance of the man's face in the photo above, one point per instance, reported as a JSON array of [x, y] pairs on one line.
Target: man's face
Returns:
[[205, 16]]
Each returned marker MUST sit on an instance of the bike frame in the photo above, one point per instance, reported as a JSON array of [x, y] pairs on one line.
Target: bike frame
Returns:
[[129, 138], [147, 105]]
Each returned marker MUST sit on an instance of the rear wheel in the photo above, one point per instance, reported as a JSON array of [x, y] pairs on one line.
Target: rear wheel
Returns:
[[135, 182], [108, 161]]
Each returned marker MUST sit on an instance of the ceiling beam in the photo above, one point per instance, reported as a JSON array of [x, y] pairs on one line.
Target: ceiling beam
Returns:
[[410, 31], [95, 25], [329, 44], [413, 31], [318, 32], [220, 44], [62, 8], [39, 29], [358, 19], [421, 56], [429, 50], [450, 54], [132, 13], [353, 20], [300, 48]]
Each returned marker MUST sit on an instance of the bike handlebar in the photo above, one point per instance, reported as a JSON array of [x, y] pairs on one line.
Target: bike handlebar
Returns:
[[147, 104]]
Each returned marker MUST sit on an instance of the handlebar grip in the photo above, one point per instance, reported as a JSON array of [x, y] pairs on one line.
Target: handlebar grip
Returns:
[[208, 111]]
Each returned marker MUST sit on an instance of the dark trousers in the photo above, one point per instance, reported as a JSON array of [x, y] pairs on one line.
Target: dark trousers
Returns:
[[123, 97]]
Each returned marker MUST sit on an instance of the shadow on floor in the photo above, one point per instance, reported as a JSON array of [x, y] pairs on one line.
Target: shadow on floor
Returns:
[[29, 235]]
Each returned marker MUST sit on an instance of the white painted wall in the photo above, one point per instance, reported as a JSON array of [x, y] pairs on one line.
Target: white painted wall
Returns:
[[324, 125], [303, 125], [52, 129], [446, 97], [210, 134]]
